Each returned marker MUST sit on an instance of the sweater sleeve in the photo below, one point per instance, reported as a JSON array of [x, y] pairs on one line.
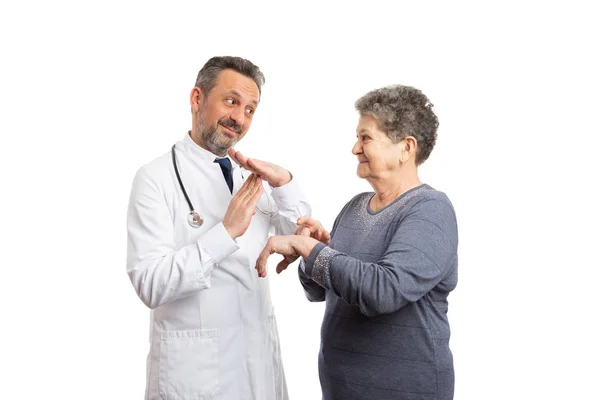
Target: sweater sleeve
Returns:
[[313, 291], [421, 253]]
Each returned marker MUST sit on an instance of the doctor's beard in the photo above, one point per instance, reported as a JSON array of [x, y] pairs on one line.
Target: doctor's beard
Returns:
[[216, 142]]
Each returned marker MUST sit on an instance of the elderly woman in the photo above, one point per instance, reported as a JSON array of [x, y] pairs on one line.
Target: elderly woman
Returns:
[[388, 265]]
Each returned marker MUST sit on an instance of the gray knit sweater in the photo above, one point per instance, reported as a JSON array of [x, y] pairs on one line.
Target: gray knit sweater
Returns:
[[386, 276]]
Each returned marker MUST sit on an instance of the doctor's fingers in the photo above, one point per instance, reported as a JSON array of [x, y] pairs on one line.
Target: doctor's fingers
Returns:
[[252, 184], [248, 202], [252, 192], [252, 201], [258, 167], [239, 158], [233, 153], [248, 183]]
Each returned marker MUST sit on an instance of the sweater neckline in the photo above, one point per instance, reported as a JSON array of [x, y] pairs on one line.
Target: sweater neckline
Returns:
[[397, 199]]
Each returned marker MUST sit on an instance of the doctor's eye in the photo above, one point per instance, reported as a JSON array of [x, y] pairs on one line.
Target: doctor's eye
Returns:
[[250, 110], [230, 101]]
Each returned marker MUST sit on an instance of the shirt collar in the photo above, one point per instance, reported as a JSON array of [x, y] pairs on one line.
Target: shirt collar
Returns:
[[201, 153]]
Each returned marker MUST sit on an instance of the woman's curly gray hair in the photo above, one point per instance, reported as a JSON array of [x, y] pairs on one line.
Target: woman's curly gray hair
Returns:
[[402, 111]]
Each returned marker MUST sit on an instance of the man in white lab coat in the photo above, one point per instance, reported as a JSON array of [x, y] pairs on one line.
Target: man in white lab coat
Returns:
[[213, 333]]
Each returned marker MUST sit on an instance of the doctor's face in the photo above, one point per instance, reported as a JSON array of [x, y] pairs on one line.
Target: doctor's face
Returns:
[[225, 114]]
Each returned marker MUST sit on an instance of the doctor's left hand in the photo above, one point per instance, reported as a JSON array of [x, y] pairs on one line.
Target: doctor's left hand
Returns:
[[274, 174]]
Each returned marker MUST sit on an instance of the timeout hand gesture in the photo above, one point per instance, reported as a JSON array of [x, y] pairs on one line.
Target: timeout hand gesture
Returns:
[[272, 173], [242, 207]]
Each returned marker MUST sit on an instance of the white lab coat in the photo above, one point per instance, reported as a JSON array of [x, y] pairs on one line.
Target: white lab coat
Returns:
[[213, 333]]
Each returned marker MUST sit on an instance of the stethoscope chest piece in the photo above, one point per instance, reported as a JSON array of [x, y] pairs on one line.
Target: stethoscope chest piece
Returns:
[[195, 220]]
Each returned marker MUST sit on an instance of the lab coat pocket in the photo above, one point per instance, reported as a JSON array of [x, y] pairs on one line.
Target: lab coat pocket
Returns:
[[189, 365]]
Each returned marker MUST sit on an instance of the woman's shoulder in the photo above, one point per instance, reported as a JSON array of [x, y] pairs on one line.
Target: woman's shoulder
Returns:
[[429, 198], [361, 197], [428, 193], [359, 200], [355, 203]]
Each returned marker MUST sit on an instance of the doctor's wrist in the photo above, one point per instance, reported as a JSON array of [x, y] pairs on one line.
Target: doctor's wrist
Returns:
[[287, 179], [232, 231]]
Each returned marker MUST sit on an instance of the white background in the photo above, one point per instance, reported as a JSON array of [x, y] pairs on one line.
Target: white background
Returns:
[[90, 91]]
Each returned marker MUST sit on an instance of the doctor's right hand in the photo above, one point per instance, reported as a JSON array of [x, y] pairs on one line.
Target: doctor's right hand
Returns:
[[242, 207]]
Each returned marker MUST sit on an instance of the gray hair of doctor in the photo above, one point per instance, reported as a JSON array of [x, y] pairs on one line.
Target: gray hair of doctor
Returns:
[[207, 77], [402, 111]]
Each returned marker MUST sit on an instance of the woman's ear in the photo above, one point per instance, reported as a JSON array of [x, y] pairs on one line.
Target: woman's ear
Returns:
[[409, 149]]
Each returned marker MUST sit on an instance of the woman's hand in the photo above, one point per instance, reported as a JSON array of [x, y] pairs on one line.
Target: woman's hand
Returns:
[[291, 247], [312, 228], [308, 227]]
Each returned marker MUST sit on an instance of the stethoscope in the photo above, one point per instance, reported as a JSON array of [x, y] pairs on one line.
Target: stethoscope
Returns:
[[194, 219]]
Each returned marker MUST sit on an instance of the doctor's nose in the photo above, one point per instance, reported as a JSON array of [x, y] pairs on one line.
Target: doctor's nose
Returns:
[[237, 114]]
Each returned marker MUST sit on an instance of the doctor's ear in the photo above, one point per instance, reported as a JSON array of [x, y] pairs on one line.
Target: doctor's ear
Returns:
[[196, 99]]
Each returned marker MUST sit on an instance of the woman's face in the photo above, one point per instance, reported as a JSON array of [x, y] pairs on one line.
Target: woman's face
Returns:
[[378, 157]]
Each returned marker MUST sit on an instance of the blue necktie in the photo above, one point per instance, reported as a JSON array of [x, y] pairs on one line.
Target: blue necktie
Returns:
[[225, 164]]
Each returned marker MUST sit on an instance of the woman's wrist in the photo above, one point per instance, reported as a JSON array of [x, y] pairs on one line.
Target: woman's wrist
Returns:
[[304, 245]]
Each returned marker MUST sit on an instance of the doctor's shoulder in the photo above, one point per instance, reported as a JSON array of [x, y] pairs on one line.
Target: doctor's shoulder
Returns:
[[155, 175]]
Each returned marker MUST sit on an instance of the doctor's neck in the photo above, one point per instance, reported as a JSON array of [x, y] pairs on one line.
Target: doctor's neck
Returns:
[[208, 143], [196, 139]]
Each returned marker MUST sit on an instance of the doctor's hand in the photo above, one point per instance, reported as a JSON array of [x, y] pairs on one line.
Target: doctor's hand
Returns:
[[242, 207], [291, 247], [272, 173]]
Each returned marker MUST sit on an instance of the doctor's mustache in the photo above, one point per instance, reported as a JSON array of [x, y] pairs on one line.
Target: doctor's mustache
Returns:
[[231, 124]]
